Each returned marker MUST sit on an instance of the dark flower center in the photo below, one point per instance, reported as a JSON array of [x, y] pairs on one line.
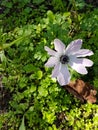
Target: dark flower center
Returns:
[[64, 59]]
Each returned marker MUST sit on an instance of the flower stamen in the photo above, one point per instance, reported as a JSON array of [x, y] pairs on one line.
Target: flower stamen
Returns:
[[64, 59]]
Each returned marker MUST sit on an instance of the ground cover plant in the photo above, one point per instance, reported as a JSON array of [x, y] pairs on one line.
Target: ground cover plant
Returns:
[[29, 98]]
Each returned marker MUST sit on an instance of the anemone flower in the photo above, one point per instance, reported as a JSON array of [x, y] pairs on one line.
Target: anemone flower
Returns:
[[63, 57]]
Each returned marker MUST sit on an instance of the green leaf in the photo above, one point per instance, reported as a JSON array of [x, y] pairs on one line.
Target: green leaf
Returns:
[[32, 89], [28, 68], [50, 15], [2, 56], [42, 91], [39, 74], [37, 1], [22, 126]]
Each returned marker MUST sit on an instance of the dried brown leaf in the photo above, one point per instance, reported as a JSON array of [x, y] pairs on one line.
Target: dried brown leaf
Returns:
[[82, 90]]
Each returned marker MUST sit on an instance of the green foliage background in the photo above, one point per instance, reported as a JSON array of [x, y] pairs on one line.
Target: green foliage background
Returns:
[[33, 100]]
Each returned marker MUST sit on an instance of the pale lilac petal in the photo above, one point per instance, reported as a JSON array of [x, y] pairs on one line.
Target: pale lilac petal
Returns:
[[51, 62], [83, 61], [63, 76], [83, 53], [59, 46], [79, 68], [55, 71], [86, 62], [77, 65], [50, 51], [74, 46]]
